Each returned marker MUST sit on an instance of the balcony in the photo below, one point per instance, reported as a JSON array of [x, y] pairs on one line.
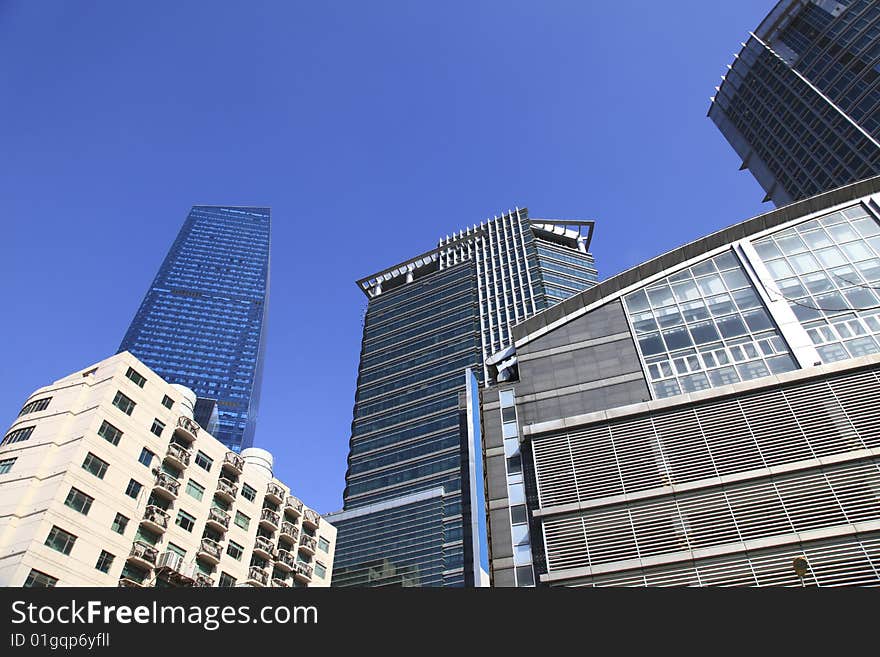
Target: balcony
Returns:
[[274, 493], [178, 456], [233, 462], [289, 531], [166, 486], [226, 490], [218, 519], [293, 506], [303, 572], [187, 428], [263, 547], [203, 581], [269, 520], [210, 550], [155, 519], [285, 561], [143, 555], [281, 583], [307, 544], [128, 582], [257, 576], [311, 518], [172, 568]]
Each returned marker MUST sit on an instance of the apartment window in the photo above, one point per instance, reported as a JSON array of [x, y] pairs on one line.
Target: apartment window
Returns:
[[133, 489], [248, 493], [146, 457], [204, 461], [320, 569], [17, 436], [158, 427], [226, 579], [6, 465], [39, 580], [104, 561], [234, 550], [195, 490], [79, 501], [123, 403], [242, 520], [176, 549], [139, 381], [95, 465], [109, 433], [323, 544], [185, 520], [167, 402], [60, 540], [120, 522], [34, 406]]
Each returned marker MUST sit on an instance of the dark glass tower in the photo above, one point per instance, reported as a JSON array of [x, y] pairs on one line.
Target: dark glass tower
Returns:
[[202, 323], [801, 102], [408, 517]]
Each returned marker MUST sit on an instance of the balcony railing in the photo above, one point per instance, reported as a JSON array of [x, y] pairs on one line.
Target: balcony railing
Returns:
[[203, 580], [188, 427], [274, 492], [311, 517], [178, 454], [128, 582], [218, 517], [165, 483], [234, 462], [276, 581], [226, 488], [258, 575], [144, 553], [264, 545], [308, 544], [304, 571], [285, 558], [155, 517], [268, 516], [293, 505], [210, 549], [289, 531]]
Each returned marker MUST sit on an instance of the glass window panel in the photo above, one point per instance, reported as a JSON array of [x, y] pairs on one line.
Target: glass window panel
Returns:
[[711, 285], [517, 494], [843, 233], [791, 287], [737, 352], [667, 388], [660, 296], [746, 298], [731, 326], [669, 317], [804, 263], [791, 244], [872, 322], [694, 382], [694, 311], [721, 305], [875, 243], [644, 322], [735, 279], [506, 397], [817, 239], [684, 275], [677, 338], [857, 251], [807, 226], [862, 346], [752, 370], [766, 347], [680, 366], [508, 414], [778, 344], [767, 250], [779, 269], [860, 298], [651, 344], [704, 332], [703, 268], [511, 447], [518, 514], [726, 260], [637, 301], [751, 350], [508, 429], [758, 320], [686, 291], [803, 309], [832, 219], [666, 368], [723, 376], [780, 364], [520, 534], [857, 210], [867, 227], [522, 554], [831, 257], [709, 359], [525, 576], [818, 282], [831, 302], [832, 352]]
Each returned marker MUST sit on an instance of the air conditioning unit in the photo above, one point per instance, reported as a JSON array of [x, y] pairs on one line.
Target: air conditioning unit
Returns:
[[171, 560]]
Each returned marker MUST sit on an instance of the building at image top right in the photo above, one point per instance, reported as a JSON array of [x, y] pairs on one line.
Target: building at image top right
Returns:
[[800, 104]]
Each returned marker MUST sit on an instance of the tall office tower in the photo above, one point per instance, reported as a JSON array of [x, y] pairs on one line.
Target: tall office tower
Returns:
[[408, 513], [202, 323], [801, 102], [106, 480], [709, 417]]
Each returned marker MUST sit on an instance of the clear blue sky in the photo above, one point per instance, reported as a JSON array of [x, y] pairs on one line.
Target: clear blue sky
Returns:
[[370, 128]]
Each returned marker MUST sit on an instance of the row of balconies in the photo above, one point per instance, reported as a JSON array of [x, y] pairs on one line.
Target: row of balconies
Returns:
[[258, 576]]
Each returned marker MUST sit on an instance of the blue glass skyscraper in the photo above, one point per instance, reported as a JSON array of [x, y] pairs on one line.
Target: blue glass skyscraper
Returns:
[[202, 323], [432, 322]]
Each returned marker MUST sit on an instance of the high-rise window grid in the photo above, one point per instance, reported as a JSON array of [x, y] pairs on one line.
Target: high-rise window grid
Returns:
[[34, 406], [17, 436]]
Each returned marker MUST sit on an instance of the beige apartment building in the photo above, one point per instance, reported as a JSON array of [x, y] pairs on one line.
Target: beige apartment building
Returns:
[[106, 480]]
